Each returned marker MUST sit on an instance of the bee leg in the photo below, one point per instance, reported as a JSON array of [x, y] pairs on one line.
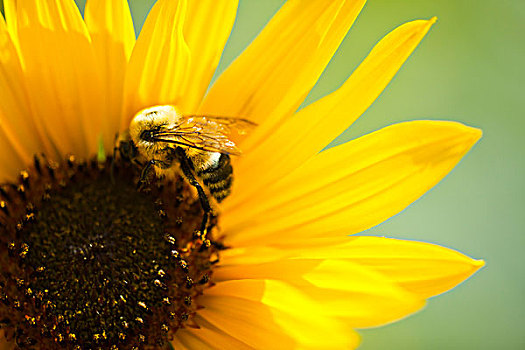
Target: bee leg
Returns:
[[187, 171], [112, 169], [204, 223], [204, 203], [145, 172]]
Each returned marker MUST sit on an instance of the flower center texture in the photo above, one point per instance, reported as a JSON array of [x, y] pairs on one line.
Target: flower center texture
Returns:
[[89, 261]]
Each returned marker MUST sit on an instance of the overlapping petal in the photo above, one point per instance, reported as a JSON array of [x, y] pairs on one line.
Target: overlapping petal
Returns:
[[113, 37], [362, 297], [207, 336], [272, 314], [11, 20], [271, 78], [19, 138], [422, 268], [207, 27], [312, 128], [352, 187], [159, 61], [250, 321], [63, 86], [176, 54]]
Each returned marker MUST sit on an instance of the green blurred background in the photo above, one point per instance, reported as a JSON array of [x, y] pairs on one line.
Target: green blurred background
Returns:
[[469, 69]]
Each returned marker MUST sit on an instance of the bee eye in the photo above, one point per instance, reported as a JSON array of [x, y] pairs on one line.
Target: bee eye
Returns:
[[146, 135]]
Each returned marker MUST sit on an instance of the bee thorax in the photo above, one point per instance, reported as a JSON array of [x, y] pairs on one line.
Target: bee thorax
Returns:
[[213, 160], [203, 160]]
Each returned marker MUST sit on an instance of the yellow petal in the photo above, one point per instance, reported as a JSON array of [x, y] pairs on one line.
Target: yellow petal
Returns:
[[111, 29], [250, 321], [421, 268], [273, 315], [159, 62], [312, 128], [254, 255], [271, 78], [259, 253], [176, 344], [176, 54], [19, 136], [14, 112], [207, 27], [362, 298], [10, 163], [59, 60], [206, 337], [289, 270], [341, 288], [352, 187], [10, 18]]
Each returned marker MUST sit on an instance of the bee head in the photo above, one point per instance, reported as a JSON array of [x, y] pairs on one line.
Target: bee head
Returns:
[[148, 121]]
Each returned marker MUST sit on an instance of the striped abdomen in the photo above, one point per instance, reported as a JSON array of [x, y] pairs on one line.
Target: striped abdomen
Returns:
[[218, 177]]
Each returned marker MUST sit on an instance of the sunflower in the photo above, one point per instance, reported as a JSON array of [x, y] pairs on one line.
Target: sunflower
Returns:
[[90, 261]]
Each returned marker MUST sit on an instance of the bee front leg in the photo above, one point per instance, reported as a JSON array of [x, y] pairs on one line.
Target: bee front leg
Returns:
[[113, 160], [127, 152], [145, 172]]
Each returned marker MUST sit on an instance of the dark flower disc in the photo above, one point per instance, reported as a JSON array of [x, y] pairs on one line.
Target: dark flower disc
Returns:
[[91, 262]]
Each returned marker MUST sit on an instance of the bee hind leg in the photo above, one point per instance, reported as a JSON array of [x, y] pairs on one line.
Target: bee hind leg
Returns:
[[204, 202], [186, 169]]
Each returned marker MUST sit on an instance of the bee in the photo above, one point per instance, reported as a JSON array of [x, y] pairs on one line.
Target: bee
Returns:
[[199, 147]]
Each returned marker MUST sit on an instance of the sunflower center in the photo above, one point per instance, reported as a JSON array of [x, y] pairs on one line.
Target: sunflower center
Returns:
[[88, 261]]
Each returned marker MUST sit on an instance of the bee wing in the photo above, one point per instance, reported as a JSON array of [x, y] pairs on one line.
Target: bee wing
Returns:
[[207, 133], [225, 125]]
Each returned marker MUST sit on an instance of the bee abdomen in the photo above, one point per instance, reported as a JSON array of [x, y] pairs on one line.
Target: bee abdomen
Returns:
[[218, 178]]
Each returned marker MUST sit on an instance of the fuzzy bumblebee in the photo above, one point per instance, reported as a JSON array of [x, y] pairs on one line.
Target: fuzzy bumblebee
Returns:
[[197, 146]]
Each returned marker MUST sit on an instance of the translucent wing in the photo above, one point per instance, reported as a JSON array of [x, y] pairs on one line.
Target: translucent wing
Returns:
[[207, 133]]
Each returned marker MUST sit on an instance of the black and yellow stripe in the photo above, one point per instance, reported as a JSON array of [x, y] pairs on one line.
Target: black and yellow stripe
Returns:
[[218, 178]]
